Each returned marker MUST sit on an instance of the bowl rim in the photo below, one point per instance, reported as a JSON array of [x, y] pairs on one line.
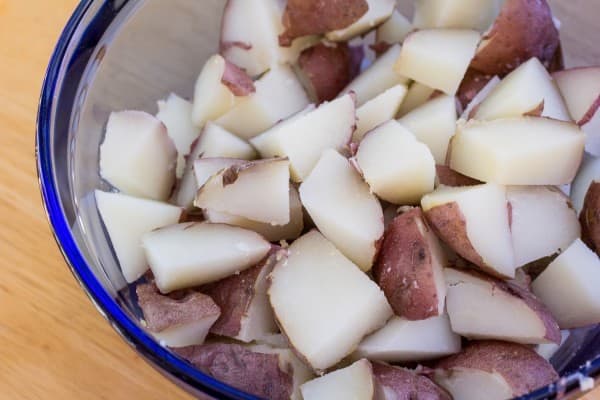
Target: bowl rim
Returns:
[[136, 337]]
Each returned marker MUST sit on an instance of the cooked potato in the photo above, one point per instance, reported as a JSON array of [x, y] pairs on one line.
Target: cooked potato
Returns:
[[260, 370], [417, 95], [472, 84], [179, 320], [403, 384], [500, 370], [354, 382], [457, 14], [237, 81], [392, 31], [523, 29], [410, 266], [379, 11], [580, 87], [588, 173], [378, 110], [504, 311], [475, 93], [590, 217], [448, 177]]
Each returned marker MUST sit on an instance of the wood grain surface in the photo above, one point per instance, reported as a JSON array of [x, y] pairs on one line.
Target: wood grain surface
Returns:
[[53, 343]]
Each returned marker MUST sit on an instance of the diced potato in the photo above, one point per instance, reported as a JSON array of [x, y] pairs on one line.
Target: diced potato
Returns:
[[417, 95], [353, 382], [378, 110], [378, 12], [457, 14]]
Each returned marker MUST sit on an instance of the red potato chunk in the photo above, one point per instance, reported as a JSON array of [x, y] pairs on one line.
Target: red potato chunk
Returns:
[[404, 384]]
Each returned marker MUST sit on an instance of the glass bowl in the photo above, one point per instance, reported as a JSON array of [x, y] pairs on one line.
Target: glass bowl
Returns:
[[126, 54]]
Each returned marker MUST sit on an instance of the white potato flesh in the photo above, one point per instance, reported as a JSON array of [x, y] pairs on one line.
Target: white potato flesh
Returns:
[[397, 167], [126, 220], [279, 94], [258, 190], [418, 94], [485, 211], [176, 114], [378, 12], [272, 233], [376, 79], [394, 30], [433, 123], [479, 310], [303, 138], [569, 287], [214, 142], [211, 97], [540, 212], [343, 208], [457, 14], [206, 168], [548, 350], [137, 155], [588, 173], [191, 254], [323, 303], [438, 58], [354, 382], [470, 383], [580, 87], [401, 340], [479, 97], [378, 110], [523, 91], [518, 151], [190, 334]]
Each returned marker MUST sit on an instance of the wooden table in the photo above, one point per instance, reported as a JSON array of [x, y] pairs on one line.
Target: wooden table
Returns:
[[54, 345]]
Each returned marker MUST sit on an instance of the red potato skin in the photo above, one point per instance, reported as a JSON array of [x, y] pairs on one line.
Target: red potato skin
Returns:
[[407, 384], [328, 68], [590, 218], [404, 268], [256, 373], [590, 113], [522, 368], [316, 17], [178, 308], [237, 81], [523, 29], [449, 177], [471, 84]]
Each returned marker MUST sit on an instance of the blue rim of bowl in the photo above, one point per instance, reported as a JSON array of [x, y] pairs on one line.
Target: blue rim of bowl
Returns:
[[106, 305]]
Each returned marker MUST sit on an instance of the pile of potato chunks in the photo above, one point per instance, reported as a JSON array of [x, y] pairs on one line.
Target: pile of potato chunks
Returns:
[[351, 193]]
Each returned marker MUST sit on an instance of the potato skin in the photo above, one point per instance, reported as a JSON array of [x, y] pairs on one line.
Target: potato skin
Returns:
[[259, 374], [590, 218], [315, 17], [524, 29], [178, 308], [522, 368], [449, 177], [404, 269], [471, 84], [407, 384], [237, 81]]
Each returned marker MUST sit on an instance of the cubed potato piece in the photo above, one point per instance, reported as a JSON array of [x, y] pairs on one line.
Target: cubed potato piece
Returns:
[[580, 87], [590, 217], [500, 370], [303, 138], [191, 254], [353, 382], [433, 123], [278, 95], [273, 233], [325, 69], [503, 311], [397, 167], [257, 190], [523, 29], [378, 110], [176, 114], [214, 142], [478, 97], [376, 79], [126, 220], [246, 314], [206, 168], [480, 234], [179, 320], [343, 208], [536, 212], [410, 266], [588, 173], [473, 82], [448, 177], [378, 12], [316, 276], [417, 95], [569, 287], [401, 340], [548, 350], [401, 383], [137, 155], [456, 14], [394, 30], [259, 370], [518, 151], [528, 90], [438, 58]]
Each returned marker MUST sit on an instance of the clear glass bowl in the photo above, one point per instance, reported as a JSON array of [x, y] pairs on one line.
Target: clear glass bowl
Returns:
[[121, 54]]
